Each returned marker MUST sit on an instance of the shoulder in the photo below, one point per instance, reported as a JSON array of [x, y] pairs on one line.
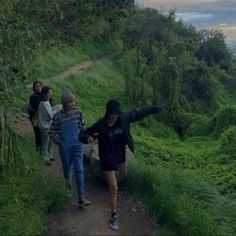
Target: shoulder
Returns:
[[77, 110]]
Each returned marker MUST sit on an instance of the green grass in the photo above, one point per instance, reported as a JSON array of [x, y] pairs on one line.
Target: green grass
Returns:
[[185, 204], [183, 183], [92, 89], [189, 186], [27, 198]]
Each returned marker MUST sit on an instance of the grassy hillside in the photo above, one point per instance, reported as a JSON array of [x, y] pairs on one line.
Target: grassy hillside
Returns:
[[185, 168], [188, 185]]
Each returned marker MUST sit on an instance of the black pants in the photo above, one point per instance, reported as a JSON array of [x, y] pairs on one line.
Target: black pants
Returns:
[[37, 138]]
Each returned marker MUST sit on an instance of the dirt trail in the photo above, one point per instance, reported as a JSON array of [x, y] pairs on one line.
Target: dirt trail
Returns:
[[92, 220], [78, 69]]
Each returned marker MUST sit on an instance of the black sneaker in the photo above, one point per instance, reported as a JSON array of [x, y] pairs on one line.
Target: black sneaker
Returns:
[[113, 222], [84, 202]]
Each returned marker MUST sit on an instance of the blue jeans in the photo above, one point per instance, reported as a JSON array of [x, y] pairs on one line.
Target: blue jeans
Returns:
[[73, 155], [71, 152]]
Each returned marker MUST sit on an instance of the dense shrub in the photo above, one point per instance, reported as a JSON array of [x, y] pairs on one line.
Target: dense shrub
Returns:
[[228, 142], [224, 118], [200, 126]]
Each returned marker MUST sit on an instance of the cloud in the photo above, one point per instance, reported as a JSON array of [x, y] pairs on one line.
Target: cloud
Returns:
[[203, 14], [190, 16], [173, 3], [228, 30]]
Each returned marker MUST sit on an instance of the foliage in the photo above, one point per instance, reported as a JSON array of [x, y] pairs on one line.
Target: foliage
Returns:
[[165, 63], [213, 49], [228, 142], [28, 196], [225, 117], [200, 126], [10, 160], [183, 203]]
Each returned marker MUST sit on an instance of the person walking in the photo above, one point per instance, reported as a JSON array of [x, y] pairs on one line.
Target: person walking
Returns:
[[113, 134], [34, 102], [64, 132], [44, 119]]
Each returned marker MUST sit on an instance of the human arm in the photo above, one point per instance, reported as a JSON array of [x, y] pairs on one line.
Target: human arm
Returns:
[[139, 114], [89, 134], [48, 112], [54, 131]]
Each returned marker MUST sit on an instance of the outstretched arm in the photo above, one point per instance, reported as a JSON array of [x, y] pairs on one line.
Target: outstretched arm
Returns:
[[139, 114]]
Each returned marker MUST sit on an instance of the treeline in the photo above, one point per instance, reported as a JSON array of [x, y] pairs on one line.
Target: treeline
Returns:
[[29, 28], [166, 62]]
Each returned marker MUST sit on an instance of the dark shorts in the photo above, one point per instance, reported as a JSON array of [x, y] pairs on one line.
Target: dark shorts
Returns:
[[111, 165]]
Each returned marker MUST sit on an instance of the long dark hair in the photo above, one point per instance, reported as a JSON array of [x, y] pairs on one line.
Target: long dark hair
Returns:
[[44, 91]]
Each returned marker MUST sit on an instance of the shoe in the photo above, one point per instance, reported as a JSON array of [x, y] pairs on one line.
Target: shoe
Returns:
[[113, 222], [84, 202], [47, 163]]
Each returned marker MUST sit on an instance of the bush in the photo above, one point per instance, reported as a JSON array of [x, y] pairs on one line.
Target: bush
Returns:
[[200, 126], [224, 118], [228, 142]]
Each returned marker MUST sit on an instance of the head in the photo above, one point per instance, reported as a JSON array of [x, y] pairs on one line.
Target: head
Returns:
[[113, 110], [37, 86], [68, 101], [46, 93]]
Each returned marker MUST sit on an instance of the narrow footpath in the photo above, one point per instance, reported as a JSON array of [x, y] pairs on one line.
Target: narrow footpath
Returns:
[[92, 220]]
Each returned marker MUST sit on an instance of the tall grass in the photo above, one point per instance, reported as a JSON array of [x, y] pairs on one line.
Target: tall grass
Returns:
[[27, 197], [183, 203], [62, 58]]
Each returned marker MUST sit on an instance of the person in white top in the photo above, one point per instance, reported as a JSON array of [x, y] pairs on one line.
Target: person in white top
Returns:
[[44, 120]]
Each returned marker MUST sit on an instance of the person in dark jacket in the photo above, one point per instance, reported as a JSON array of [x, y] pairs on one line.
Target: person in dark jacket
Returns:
[[34, 102], [113, 134]]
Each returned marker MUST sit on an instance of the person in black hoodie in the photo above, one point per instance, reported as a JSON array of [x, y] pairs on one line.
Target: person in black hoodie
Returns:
[[113, 134], [34, 102]]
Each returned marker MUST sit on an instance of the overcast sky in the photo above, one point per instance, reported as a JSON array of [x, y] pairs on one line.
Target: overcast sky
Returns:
[[207, 14]]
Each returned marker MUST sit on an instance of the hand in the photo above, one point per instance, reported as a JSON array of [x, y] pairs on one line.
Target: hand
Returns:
[[90, 139]]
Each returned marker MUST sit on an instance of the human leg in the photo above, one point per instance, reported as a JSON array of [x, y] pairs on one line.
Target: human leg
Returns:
[[123, 169], [66, 160], [44, 147], [37, 138], [79, 174], [113, 190]]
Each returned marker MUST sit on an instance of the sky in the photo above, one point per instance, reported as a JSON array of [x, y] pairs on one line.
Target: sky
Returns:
[[203, 14]]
